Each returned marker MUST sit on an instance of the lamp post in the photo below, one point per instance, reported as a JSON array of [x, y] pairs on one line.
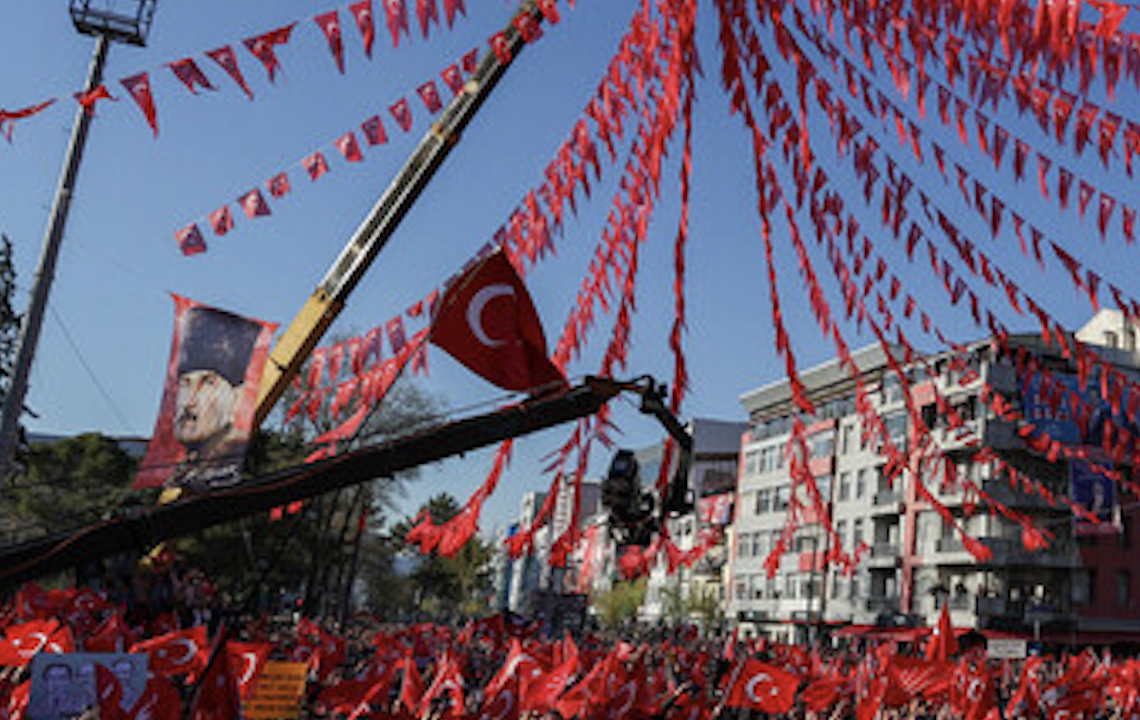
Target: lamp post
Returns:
[[109, 21]]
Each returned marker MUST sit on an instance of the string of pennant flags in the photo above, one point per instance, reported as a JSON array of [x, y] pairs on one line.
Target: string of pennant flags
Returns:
[[264, 48], [253, 204], [830, 204]]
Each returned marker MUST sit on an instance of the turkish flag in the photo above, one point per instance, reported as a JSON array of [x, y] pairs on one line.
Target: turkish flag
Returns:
[[246, 662], [176, 653], [487, 322], [763, 687]]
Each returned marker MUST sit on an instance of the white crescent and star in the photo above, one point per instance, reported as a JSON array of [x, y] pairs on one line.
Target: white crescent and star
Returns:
[[475, 311], [191, 651], [750, 688], [250, 659]]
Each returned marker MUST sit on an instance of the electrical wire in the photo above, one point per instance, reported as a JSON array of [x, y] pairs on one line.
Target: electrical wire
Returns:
[[87, 368]]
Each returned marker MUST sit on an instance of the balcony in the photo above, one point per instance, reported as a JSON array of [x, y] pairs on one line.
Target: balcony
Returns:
[[887, 497], [884, 554], [1012, 552]]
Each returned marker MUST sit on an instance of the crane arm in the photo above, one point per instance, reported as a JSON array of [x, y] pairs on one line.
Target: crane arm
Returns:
[[327, 301]]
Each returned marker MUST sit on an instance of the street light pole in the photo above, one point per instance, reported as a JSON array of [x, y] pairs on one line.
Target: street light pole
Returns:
[[45, 272], [125, 21]]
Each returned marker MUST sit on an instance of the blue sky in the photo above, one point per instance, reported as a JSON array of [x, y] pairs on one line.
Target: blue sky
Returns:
[[107, 333]]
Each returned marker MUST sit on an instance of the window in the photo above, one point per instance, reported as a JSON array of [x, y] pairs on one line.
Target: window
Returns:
[[861, 483], [791, 586], [892, 389], [853, 589], [744, 547], [1124, 537], [752, 462], [822, 444], [758, 549], [857, 533], [841, 532], [1110, 339], [1129, 339], [1123, 588], [844, 486], [741, 589], [895, 427], [781, 503], [763, 501], [846, 444]]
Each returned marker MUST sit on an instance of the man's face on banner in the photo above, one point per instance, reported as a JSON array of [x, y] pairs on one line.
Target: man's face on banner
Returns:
[[206, 403]]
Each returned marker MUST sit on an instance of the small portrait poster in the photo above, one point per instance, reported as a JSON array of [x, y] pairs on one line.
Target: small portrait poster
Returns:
[[64, 686]]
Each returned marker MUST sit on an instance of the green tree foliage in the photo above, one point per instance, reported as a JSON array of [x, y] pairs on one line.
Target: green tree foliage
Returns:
[[69, 483], [314, 552], [436, 586], [620, 603]]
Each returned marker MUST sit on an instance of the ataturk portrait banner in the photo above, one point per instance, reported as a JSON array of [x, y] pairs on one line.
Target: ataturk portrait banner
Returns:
[[212, 380]]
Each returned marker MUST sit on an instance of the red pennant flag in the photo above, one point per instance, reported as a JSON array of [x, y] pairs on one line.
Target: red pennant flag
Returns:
[[501, 47], [316, 165], [222, 220], [397, 337], [329, 24], [89, 98], [224, 56], [402, 112], [412, 685], [190, 240], [430, 96], [190, 75], [453, 78], [263, 47], [487, 322], [427, 13], [470, 61], [397, 14], [362, 13], [942, 644], [278, 185], [549, 11], [763, 687], [349, 148], [139, 88], [451, 7], [373, 129], [253, 203]]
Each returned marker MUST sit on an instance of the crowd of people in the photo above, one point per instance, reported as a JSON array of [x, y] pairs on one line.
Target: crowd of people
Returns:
[[204, 662]]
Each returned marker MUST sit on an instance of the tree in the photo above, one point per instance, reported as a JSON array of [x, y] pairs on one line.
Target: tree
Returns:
[[438, 586], [312, 552], [620, 603], [71, 482]]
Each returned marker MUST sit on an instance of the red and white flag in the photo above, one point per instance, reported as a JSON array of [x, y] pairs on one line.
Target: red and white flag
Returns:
[[487, 321], [253, 203], [139, 88], [246, 662], [362, 12], [763, 687], [177, 653], [330, 25]]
